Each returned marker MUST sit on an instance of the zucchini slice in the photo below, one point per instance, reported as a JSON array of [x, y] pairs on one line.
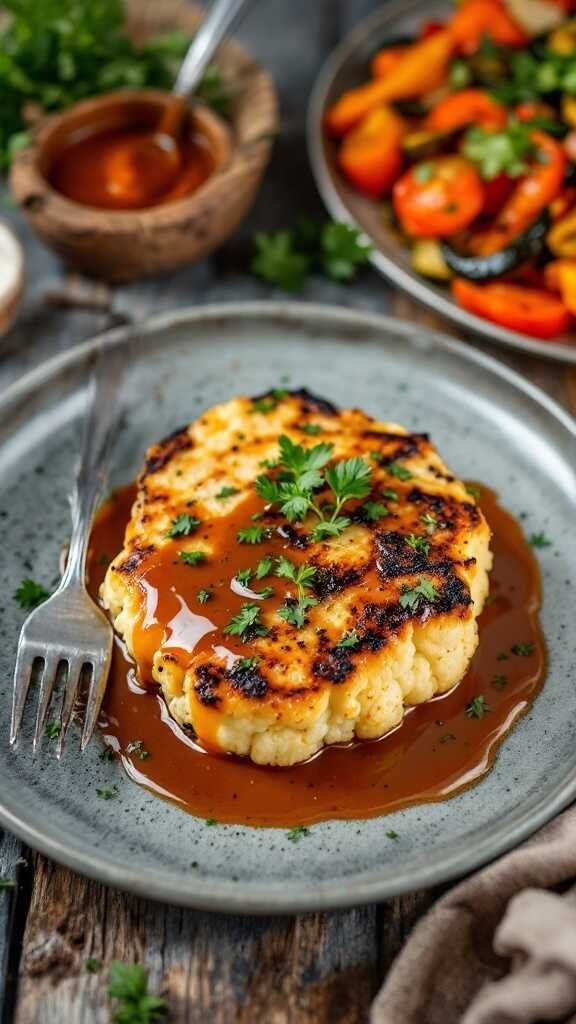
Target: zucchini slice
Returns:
[[528, 245]]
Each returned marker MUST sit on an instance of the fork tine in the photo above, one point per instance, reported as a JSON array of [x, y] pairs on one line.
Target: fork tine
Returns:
[[72, 683], [22, 677], [100, 670], [51, 662]]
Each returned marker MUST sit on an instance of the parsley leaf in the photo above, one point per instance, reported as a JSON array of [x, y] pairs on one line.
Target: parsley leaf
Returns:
[[294, 611], [204, 595], [392, 835], [294, 835], [105, 793], [226, 492], [245, 664], [92, 965], [312, 429], [30, 594], [398, 471], [474, 491], [430, 522], [342, 252], [253, 534], [270, 401], [412, 597], [264, 567], [540, 540], [128, 983], [374, 510], [183, 525], [350, 639], [192, 557], [418, 544], [522, 650], [477, 707], [349, 479], [247, 623], [500, 152], [52, 730], [278, 262], [330, 528], [244, 576]]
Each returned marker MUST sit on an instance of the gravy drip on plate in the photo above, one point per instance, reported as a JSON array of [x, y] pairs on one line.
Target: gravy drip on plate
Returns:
[[441, 747]]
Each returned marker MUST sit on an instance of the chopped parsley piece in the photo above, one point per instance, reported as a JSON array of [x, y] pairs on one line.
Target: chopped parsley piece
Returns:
[[92, 965], [105, 793], [244, 576], [419, 544], [264, 567], [246, 664], [312, 429], [499, 681], [53, 730], [270, 402], [286, 258], [473, 491], [398, 471], [204, 595], [128, 983], [137, 747], [505, 151], [430, 522], [210, 822], [540, 540], [253, 534], [477, 707], [392, 835], [106, 755], [390, 495], [342, 252], [278, 261], [448, 737], [226, 492], [193, 557], [30, 594], [265, 593], [183, 525], [374, 510], [294, 835], [350, 639], [502, 656], [522, 650], [294, 611], [246, 623], [412, 597]]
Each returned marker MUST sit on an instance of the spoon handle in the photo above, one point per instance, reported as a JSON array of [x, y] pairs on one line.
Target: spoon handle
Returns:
[[216, 24]]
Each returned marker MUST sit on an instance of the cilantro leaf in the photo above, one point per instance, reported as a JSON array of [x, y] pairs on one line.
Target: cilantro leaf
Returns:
[[278, 262], [342, 252], [30, 594], [418, 544], [183, 525], [264, 567], [295, 613]]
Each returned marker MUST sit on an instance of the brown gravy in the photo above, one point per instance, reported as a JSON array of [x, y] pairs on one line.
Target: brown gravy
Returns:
[[437, 751]]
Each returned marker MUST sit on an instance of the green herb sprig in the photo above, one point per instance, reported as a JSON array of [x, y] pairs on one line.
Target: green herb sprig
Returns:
[[286, 258]]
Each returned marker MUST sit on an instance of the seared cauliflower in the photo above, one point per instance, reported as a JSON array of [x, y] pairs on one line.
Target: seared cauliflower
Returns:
[[270, 634]]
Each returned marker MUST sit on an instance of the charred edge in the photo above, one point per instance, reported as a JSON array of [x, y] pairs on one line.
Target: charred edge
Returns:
[[330, 580], [166, 449], [135, 558], [447, 508], [207, 682], [296, 538], [248, 682], [380, 621], [310, 402], [405, 445], [394, 557], [335, 666]]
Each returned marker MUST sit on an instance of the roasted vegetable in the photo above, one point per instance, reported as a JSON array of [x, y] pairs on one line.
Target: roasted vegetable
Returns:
[[532, 311], [439, 197], [477, 19], [528, 245], [426, 143], [426, 258], [469, 106], [560, 276], [370, 155], [563, 39], [562, 237]]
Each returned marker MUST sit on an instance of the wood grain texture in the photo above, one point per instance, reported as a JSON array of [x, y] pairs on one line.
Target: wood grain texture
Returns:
[[310, 969]]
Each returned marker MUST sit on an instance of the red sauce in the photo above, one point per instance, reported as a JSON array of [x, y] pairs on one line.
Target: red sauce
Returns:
[[99, 169], [436, 752]]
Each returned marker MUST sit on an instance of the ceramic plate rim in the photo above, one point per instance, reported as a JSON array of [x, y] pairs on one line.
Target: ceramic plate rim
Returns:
[[361, 887], [385, 265]]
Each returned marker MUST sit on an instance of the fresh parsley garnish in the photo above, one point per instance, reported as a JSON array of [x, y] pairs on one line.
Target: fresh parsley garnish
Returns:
[[505, 151], [312, 429], [430, 522], [210, 822], [392, 835], [107, 755], [419, 544], [204, 595], [226, 492], [105, 793], [540, 540], [474, 491], [278, 261], [342, 252], [128, 983], [294, 612], [183, 525], [192, 557], [374, 510], [244, 576], [523, 650], [270, 401], [137, 747], [253, 534], [499, 681], [350, 639], [264, 567], [294, 835], [477, 707], [265, 593], [52, 730], [247, 623], [246, 664], [30, 594], [413, 597], [286, 258], [398, 471]]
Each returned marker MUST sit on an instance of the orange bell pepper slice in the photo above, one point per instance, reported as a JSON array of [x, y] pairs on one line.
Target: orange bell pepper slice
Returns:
[[422, 68], [371, 154], [560, 276], [479, 18], [532, 311], [385, 60], [469, 106]]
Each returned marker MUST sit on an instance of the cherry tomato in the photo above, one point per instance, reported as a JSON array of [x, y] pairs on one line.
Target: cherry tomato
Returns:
[[438, 197]]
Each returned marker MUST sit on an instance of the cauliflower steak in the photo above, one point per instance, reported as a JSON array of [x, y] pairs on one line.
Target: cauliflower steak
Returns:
[[294, 576]]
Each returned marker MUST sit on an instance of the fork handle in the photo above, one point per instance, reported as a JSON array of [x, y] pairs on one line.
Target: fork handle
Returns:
[[100, 428]]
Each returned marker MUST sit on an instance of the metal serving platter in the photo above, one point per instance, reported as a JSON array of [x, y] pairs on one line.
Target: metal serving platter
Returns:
[[347, 67], [488, 423]]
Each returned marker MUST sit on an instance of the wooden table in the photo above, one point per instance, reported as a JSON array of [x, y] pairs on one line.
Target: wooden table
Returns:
[[308, 969]]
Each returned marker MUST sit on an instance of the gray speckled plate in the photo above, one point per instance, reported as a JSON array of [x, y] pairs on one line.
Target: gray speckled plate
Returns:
[[347, 67], [489, 424]]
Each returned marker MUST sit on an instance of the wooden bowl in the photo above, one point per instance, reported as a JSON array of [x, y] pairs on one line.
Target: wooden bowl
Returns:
[[123, 245]]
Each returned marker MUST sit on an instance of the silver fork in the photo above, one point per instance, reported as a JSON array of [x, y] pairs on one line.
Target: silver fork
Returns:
[[69, 627]]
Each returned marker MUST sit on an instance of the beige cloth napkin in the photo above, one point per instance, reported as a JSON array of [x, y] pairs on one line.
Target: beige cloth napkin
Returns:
[[499, 948]]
